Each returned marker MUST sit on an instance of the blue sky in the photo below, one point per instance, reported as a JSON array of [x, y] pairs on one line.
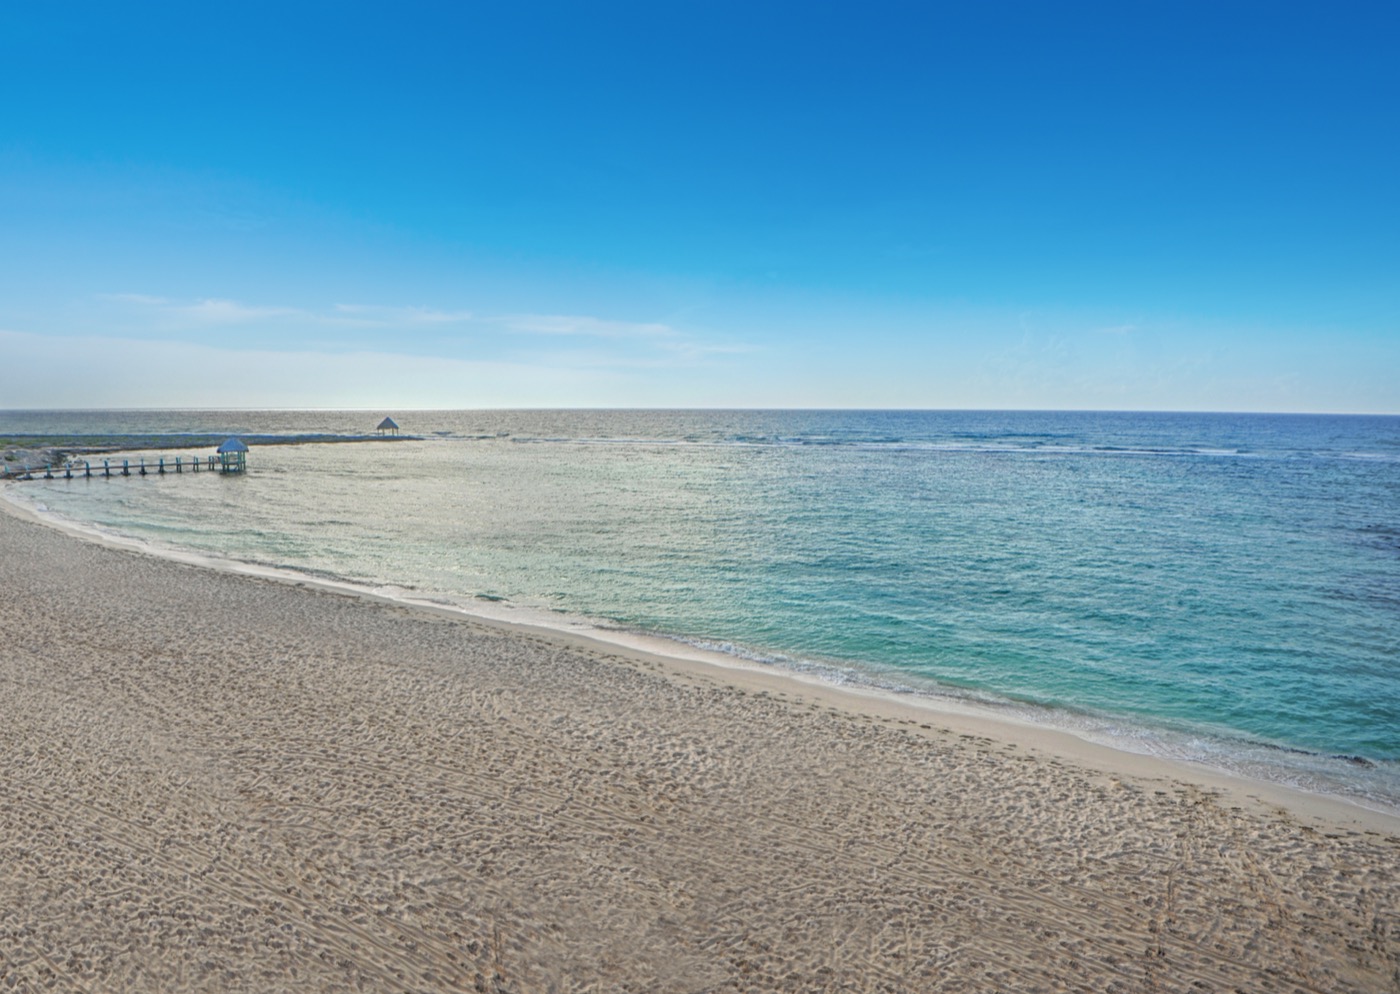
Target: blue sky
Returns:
[[997, 205]]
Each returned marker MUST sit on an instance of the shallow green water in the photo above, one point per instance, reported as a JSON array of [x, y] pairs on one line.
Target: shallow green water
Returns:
[[1223, 588]]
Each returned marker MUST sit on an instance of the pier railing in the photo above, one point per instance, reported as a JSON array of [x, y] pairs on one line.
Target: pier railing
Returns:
[[84, 469]]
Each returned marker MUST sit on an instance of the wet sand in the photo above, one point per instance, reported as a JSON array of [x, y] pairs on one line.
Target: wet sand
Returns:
[[211, 782]]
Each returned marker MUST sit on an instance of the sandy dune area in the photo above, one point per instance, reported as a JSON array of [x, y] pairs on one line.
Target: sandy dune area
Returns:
[[210, 782]]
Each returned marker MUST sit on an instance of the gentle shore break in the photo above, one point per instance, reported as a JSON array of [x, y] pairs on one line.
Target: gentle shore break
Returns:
[[218, 783]]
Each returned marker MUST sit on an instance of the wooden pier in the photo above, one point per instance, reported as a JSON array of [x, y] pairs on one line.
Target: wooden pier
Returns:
[[230, 457], [84, 469]]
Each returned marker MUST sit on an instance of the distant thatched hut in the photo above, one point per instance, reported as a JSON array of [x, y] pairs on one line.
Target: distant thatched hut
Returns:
[[233, 456], [387, 427]]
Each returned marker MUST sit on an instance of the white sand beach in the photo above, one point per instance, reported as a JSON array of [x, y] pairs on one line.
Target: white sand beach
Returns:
[[212, 782]]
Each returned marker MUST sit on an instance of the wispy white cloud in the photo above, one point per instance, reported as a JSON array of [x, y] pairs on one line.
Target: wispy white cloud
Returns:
[[563, 340], [372, 314], [224, 311], [143, 299], [87, 371], [201, 312], [214, 311], [619, 344], [575, 324], [1119, 329], [700, 350], [680, 357], [221, 311]]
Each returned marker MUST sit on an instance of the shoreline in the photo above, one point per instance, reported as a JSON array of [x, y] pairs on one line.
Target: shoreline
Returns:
[[225, 782], [691, 661]]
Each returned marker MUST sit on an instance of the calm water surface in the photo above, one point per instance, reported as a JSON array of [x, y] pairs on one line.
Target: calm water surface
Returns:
[[1222, 588]]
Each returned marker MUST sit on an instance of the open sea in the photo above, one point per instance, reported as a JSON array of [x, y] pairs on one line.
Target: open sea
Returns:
[[1218, 588]]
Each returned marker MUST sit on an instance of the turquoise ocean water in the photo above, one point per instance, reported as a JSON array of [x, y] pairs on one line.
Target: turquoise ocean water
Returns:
[[1218, 588]]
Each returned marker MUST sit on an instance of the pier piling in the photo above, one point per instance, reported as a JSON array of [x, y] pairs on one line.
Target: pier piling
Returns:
[[230, 458]]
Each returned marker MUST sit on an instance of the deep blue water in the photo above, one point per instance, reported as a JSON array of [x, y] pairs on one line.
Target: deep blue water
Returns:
[[1224, 588]]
